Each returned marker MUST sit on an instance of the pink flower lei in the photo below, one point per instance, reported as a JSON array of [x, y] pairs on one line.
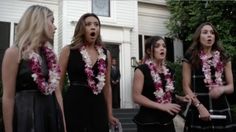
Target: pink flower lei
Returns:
[[96, 88], [35, 62], [206, 68], [161, 96]]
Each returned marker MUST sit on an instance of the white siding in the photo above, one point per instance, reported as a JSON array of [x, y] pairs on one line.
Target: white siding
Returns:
[[12, 10], [152, 19]]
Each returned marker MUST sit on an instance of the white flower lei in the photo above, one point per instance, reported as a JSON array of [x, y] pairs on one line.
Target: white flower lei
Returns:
[[96, 88], [35, 62], [161, 96], [206, 68]]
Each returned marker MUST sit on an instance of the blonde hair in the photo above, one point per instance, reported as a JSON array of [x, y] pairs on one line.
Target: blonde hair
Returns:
[[79, 33], [32, 29]]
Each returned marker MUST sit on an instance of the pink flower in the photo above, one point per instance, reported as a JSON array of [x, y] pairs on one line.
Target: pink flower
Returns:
[[54, 71], [161, 96], [206, 68], [96, 88]]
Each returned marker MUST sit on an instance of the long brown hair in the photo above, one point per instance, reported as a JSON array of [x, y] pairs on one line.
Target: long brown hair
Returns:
[[79, 33], [196, 46]]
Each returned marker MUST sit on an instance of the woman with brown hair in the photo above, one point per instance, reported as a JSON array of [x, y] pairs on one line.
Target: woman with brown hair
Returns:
[[88, 100], [207, 79]]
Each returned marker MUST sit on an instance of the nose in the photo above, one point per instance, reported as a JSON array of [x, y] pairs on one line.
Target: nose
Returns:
[[55, 28]]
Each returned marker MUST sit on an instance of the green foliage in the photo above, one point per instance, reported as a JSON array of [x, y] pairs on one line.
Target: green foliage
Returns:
[[187, 15], [177, 67]]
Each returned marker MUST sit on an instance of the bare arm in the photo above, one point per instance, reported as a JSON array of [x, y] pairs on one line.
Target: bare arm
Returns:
[[217, 91], [9, 73], [63, 61], [107, 93], [138, 98], [186, 72]]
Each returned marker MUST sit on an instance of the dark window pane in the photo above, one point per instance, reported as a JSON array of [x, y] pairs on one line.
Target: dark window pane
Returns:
[[4, 40]]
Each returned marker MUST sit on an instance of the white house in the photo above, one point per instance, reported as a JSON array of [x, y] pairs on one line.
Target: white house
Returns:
[[125, 25]]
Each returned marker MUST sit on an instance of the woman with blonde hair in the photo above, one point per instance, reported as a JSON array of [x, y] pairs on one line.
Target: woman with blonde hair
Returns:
[[31, 98]]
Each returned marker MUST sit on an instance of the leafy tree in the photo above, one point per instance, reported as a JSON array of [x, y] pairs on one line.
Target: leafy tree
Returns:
[[187, 15]]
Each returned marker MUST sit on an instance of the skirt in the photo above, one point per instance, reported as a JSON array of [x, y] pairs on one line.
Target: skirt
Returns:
[[35, 112]]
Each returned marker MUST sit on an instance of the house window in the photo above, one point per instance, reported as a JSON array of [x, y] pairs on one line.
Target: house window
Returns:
[[101, 7], [4, 40]]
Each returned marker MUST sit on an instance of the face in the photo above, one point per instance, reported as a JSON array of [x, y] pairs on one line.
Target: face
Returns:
[[52, 28], [92, 29], [113, 61], [207, 36], [159, 50]]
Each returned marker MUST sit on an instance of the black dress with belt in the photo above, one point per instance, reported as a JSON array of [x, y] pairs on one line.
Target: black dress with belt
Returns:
[[34, 111], [84, 111]]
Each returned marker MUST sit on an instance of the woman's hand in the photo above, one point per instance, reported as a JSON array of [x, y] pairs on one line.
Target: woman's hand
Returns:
[[185, 98], [171, 108], [113, 121], [203, 113], [215, 91]]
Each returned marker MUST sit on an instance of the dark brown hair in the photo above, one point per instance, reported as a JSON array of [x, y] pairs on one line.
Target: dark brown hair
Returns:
[[79, 33], [196, 46], [149, 44]]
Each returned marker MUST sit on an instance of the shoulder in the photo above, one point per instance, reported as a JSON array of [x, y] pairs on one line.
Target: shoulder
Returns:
[[187, 57], [143, 68], [65, 50], [12, 52]]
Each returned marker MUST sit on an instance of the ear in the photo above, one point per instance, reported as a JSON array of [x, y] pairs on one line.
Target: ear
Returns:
[[149, 51]]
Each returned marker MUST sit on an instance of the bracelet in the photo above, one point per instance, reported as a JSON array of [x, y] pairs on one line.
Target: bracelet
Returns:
[[198, 104]]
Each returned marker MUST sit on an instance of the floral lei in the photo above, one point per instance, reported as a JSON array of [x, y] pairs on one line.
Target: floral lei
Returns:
[[96, 88], [35, 62], [206, 68], [161, 96]]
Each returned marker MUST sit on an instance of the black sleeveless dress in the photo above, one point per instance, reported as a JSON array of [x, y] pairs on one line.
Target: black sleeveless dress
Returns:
[[148, 119], [84, 111], [34, 111], [218, 106]]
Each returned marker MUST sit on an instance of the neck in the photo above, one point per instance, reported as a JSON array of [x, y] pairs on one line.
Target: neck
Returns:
[[207, 50]]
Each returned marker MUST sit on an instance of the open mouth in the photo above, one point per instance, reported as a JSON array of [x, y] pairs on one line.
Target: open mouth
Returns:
[[92, 34], [162, 53]]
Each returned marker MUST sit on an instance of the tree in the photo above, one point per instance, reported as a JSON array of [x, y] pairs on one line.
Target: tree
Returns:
[[187, 15]]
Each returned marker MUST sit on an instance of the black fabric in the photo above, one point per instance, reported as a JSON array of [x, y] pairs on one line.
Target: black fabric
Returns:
[[33, 110], [218, 106], [84, 111], [148, 116], [115, 75], [156, 127]]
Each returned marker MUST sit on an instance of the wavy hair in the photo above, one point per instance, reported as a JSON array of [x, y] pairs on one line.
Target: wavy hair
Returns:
[[32, 29], [79, 33], [196, 45]]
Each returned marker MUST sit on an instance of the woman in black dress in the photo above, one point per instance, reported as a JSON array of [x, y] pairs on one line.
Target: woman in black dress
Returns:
[[207, 78], [32, 101], [153, 90], [88, 100]]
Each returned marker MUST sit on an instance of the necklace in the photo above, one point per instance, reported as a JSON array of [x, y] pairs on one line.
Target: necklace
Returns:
[[206, 68], [161, 95], [96, 88], [35, 62]]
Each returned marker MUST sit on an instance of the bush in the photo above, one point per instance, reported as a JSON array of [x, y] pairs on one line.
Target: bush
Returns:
[[177, 67]]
